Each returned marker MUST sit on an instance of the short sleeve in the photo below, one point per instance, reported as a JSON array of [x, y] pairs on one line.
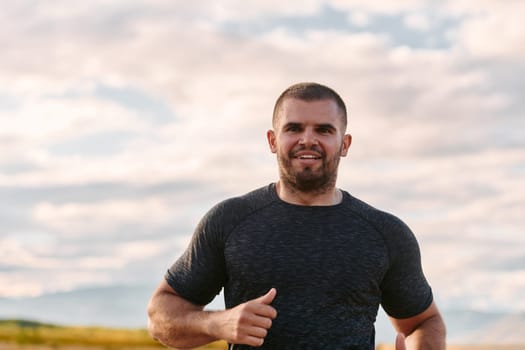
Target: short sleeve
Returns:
[[405, 290], [199, 274]]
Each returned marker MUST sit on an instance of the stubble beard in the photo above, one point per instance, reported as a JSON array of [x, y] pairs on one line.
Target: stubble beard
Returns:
[[307, 179]]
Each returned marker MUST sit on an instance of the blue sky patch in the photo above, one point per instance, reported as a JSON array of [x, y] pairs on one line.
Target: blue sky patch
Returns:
[[329, 18], [104, 143], [146, 105]]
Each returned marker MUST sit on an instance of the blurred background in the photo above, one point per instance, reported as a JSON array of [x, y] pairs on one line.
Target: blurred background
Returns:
[[122, 122]]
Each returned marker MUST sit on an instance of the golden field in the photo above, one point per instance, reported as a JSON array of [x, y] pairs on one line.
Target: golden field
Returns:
[[467, 347], [27, 335]]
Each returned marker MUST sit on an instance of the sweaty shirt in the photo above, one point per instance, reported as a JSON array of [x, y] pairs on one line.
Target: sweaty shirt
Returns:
[[332, 267]]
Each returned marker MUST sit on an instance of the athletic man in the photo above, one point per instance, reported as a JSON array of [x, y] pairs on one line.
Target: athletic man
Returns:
[[303, 264]]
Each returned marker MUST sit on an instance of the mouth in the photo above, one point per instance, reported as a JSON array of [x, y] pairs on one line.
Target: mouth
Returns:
[[307, 156]]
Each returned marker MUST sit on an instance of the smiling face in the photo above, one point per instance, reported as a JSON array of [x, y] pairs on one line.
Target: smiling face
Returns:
[[308, 139]]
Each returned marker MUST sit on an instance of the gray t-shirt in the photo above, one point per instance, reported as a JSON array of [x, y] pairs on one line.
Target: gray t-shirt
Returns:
[[331, 265]]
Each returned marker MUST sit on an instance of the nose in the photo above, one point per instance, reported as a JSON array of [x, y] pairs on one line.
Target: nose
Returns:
[[308, 138]]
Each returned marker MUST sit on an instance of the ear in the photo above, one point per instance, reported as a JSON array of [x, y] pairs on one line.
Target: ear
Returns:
[[270, 135], [347, 141]]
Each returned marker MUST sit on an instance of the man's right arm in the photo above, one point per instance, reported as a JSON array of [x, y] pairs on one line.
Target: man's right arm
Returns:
[[176, 322]]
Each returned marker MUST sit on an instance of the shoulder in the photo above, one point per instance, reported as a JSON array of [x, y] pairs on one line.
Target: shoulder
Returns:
[[247, 203], [382, 220], [396, 234], [230, 212]]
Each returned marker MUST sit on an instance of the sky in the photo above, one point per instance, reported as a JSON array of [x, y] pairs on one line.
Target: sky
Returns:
[[123, 122]]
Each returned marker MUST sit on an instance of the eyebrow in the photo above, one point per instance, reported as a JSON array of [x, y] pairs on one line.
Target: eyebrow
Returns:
[[290, 124], [324, 125]]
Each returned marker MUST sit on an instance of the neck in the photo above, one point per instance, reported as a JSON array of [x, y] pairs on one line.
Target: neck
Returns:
[[330, 196]]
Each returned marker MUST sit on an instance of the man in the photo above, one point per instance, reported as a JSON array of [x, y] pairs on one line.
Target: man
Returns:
[[303, 264]]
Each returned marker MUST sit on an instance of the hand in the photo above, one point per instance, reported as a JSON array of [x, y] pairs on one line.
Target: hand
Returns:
[[400, 342], [248, 323]]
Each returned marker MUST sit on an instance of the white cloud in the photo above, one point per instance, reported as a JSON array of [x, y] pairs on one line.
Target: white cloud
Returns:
[[15, 253], [423, 123], [485, 291], [359, 18], [101, 217], [417, 21], [241, 10], [491, 29], [33, 269], [379, 6], [56, 119], [34, 283], [139, 250]]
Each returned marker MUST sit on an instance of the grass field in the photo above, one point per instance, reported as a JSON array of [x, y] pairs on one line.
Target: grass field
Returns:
[[28, 335], [18, 335]]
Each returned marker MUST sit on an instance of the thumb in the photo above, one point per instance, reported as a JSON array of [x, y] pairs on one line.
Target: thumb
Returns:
[[268, 297], [400, 342]]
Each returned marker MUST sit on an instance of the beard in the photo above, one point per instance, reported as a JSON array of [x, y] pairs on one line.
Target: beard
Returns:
[[309, 179]]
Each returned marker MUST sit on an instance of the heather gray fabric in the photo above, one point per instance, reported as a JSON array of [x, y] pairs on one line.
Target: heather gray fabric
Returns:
[[331, 265]]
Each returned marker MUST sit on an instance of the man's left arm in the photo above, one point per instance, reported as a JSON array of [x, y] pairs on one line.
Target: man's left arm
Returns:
[[423, 331]]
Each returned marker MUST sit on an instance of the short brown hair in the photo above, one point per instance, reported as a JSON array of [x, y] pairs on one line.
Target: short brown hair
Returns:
[[310, 92]]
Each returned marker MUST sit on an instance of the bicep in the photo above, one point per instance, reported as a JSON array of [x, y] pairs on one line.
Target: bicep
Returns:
[[408, 325], [405, 290], [166, 299], [200, 273]]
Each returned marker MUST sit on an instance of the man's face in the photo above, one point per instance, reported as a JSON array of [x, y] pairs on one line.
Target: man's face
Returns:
[[308, 139]]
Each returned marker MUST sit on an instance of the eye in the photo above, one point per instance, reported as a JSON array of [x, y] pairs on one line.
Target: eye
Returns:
[[293, 128], [325, 129]]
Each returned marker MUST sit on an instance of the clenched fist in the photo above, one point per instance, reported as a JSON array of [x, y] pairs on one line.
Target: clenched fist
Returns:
[[248, 323]]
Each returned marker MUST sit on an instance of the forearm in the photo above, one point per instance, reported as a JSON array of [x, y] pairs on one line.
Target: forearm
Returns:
[[178, 324], [429, 335], [182, 333]]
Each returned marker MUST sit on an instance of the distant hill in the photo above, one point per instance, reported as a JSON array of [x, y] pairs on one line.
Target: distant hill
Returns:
[[119, 306], [125, 307], [24, 324]]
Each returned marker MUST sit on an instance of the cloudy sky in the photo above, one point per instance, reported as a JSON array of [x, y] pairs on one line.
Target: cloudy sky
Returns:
[[122, 122]]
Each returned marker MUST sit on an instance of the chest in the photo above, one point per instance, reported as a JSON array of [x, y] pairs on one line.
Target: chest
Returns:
[[345, 256]]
